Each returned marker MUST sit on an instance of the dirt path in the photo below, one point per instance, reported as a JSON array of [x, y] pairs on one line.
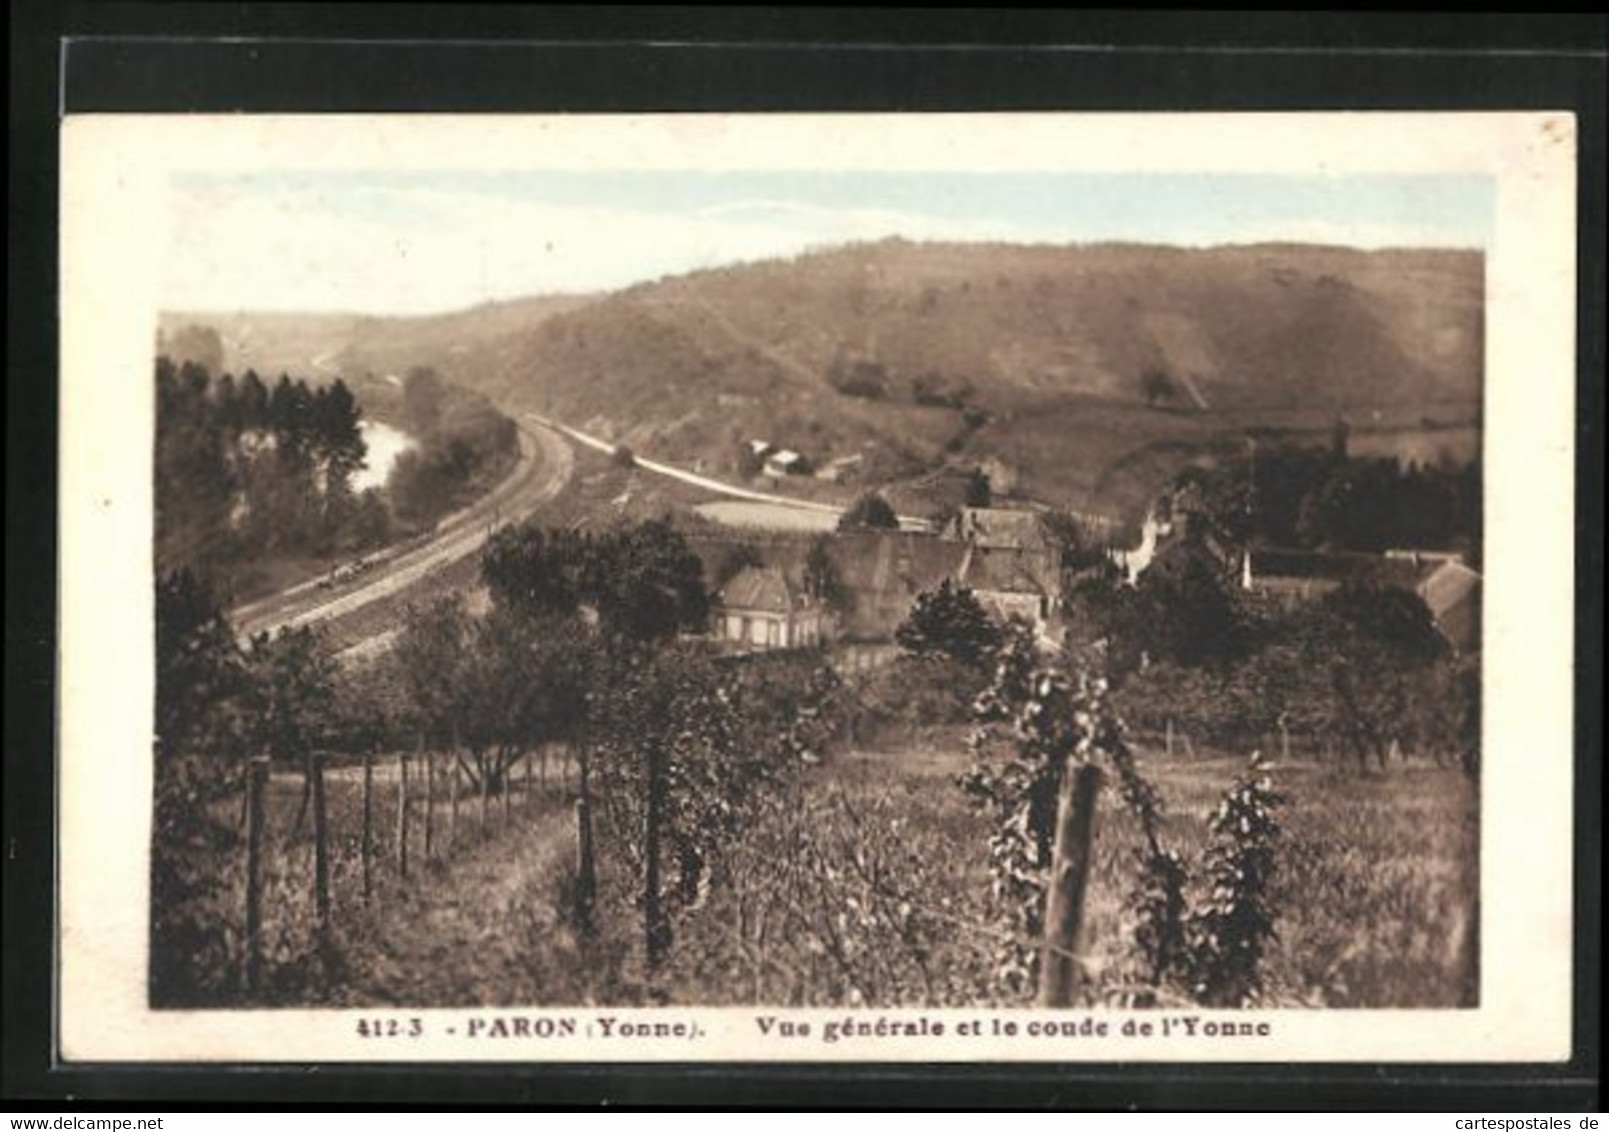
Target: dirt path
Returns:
[[476, 930], [720, 487]]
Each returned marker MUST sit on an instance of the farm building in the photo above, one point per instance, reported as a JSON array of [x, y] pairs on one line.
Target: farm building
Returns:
[[786, 462], [761, 609]]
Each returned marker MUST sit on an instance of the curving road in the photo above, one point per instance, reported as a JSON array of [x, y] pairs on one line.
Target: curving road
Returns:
[[906, 522], [545, 467]]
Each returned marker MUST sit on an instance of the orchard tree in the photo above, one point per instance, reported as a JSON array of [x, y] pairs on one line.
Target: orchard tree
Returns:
[[535, 571], [645, 583], [523, 684], [432, 655]]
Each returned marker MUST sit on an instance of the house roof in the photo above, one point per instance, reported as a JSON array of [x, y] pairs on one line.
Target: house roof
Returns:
[[761, 588], [999, 571], [1319, 566], [1448, 585], [883, 571], [997, 527]]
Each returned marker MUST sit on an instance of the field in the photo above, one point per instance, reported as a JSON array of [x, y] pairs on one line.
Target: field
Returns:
[[1375, 894], [766, 516]]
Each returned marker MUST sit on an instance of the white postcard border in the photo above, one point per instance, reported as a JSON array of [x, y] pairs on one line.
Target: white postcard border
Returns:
[[115, 172]]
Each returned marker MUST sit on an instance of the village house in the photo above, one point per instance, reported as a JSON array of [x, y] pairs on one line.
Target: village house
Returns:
[[1005, 587], [759, 608], [1010, 562]]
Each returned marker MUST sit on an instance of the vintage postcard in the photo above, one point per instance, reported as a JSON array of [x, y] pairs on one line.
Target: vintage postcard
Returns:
[[998, 587]]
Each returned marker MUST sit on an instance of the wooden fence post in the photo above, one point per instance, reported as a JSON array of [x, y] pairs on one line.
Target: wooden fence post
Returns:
[[368, 824], [656, 925], [1069, 879], [256, 788], [485, 796], [508, 790], [428, 757], [321, 856], [452, 801], [585, 876], [402, 814]]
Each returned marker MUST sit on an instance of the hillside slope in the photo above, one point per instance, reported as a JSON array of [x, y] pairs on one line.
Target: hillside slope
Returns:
[[917, 355]]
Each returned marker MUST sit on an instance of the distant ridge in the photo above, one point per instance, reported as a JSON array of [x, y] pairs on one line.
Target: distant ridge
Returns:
[[1046, 348]]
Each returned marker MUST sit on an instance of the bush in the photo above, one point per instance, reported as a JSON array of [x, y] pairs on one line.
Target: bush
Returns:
[[870, 512], [949, 621]]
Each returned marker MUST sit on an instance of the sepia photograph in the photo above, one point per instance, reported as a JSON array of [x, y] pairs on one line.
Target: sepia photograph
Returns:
[[669, 587]]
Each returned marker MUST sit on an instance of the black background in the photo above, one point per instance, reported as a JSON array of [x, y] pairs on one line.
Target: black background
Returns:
[[249, 57]]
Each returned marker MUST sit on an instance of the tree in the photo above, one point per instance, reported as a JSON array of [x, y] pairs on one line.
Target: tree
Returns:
[[1157, 386], [1391, 616], [979, 492], [821, 578], [646, 583], [1188, 610], [522, 684], [371, 520], [431, 653], [423, 396], [870, 512], [536, 571], [338, 438], [949, 621], [294, 692], [734, 560], [200, 674], [623, 457]]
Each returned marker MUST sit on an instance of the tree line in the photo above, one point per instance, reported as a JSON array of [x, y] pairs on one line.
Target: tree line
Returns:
[[463, 446], [244, 470], [247, 472], [1317, 498], [1359, 669]]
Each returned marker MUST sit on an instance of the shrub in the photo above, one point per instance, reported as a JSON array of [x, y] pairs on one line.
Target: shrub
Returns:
[[870, 512]]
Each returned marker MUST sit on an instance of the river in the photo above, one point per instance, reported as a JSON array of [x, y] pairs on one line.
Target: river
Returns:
[[385, 444]]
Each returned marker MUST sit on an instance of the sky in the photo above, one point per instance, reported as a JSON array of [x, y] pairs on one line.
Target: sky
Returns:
[[412, 243]]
